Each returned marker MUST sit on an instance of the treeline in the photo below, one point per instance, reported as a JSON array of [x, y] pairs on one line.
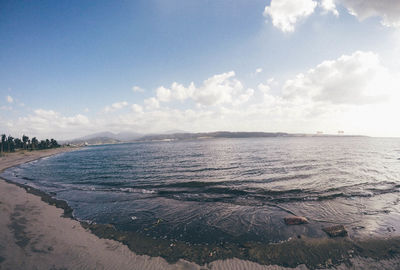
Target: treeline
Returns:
[[10, 144]]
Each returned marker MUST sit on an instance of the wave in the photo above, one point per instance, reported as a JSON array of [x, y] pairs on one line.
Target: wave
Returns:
[[192, 184], [267, 195]]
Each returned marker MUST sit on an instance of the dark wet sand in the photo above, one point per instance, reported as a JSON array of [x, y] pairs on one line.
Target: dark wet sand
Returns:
[[38, 232]]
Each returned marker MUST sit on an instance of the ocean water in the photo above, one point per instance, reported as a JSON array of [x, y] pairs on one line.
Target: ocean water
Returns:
[[229, 190]]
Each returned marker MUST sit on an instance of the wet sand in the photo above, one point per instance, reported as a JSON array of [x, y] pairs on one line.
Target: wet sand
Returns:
[[37, 232]]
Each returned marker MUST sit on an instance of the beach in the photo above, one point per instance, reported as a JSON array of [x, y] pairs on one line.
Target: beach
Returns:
[[38, 235], [34, 235]]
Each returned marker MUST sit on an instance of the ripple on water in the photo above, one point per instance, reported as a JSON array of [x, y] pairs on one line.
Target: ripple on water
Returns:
[[228, 189]]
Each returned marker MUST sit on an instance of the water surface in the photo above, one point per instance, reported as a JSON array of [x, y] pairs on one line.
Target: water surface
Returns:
[[229, 190]]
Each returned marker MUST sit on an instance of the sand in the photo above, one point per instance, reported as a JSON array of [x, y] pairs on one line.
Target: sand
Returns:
[[34, 235]]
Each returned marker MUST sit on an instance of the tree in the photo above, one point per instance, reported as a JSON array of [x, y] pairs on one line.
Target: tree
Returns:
[[11, 144], [54, 143], [42, 144], [25, 140], [3, 141], [18, 143], [35, 143]]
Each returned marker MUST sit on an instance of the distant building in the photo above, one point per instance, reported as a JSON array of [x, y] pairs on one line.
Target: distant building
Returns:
[[320, 132], [340, 132]]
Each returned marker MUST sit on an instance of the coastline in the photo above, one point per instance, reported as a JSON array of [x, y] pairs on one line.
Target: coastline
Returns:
[[35, 234], [38, 232]]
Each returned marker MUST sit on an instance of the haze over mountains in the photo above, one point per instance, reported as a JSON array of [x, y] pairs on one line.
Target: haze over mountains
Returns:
[[173, 135], [106, 137]]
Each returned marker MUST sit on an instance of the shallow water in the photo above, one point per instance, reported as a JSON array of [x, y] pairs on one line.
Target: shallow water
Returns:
[[229, 190]]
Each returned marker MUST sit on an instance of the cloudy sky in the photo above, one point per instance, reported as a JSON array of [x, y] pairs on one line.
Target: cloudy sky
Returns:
[[71, 68]]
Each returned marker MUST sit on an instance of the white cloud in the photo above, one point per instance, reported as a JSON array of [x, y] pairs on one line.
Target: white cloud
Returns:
[[243, 98], [179, 92], [45, 113], [9, 99], [152, 103], [259, 70], [218, 89], [354, 92], [163, 94], [86, 110], [137, 108], [47, 116], [388, 10], [175, 92], [49, 123], [286, 13], [137, 89], [351, 79], [329, 6], [264, 88], [115, 106]]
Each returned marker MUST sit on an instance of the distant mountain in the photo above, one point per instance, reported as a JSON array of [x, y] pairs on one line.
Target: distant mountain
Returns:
[[112, 138], [174, 131], [204, 135], [100, 140], [96, 135], [105, 138], [89, 140], [127, 136]]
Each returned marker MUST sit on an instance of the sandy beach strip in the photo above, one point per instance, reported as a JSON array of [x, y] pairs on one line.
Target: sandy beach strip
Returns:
[[34, 235]]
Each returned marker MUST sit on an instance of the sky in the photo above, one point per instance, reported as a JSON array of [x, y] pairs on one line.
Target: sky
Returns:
[[72, 68]]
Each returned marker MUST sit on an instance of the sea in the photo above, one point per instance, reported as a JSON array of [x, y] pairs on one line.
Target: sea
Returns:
[[228, 190]]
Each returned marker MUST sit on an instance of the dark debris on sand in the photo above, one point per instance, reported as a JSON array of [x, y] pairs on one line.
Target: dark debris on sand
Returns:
[[335, 231]]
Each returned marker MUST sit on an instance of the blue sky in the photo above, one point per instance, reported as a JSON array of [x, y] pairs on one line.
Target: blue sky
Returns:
[[68, 68]]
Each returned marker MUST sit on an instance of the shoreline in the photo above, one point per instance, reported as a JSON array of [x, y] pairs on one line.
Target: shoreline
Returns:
[[29, 220], [39, 232], [29, 156]]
